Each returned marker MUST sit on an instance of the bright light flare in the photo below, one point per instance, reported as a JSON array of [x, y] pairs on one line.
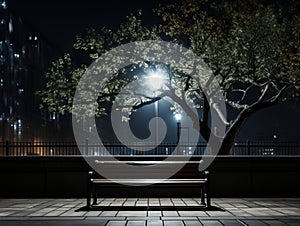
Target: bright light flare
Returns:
[[155, 79], [178, 117]]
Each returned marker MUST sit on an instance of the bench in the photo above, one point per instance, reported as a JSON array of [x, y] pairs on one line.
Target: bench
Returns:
[[201, 179]]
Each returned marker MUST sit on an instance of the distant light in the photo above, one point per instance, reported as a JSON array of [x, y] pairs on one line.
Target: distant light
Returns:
[[30, 38], [275, 136], [178, 117], [4, 5], [35, 38], [16, 55], [10, 26]]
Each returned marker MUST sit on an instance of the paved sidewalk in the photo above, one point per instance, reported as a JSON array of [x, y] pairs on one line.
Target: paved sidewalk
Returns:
[[236, 212]]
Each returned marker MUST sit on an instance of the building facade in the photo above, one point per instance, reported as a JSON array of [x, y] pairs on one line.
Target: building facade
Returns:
[[24, 58]]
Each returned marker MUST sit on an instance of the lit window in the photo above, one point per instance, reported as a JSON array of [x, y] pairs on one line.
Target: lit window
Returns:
[[10, 26]]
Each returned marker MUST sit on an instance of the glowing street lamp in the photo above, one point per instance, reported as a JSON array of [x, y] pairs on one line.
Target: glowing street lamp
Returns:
[[155, 80], [178, 117]]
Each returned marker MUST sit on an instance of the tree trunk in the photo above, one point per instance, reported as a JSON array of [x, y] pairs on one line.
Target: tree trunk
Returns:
[[229, 138]]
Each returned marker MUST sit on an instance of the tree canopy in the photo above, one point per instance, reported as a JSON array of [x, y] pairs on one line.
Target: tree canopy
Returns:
[[251, 46]]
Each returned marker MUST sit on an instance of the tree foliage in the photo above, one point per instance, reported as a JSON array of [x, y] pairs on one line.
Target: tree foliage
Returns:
[[251, 46]]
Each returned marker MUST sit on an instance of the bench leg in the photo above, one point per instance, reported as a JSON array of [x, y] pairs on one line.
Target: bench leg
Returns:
[[207, 195], [202, 196], [208, 200], [89, 189], [94, 196]]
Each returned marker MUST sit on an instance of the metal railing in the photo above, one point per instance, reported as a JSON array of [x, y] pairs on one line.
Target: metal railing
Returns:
[[71, 148]]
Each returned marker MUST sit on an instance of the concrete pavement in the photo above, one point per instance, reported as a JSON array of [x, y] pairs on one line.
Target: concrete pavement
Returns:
[[241, 211]]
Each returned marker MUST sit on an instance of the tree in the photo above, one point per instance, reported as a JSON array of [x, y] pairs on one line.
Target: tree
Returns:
[[252, 48]]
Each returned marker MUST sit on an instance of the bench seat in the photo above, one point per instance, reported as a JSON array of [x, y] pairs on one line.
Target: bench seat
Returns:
[[189, 175]]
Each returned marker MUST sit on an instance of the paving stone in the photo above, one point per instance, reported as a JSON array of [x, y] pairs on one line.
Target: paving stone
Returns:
[[55, 213], [254, 223], [231, 223], [275, 223], [192, 223], [173, 223], [116, 223], [240, 213], [192, 213], [136, 223], [116, 204], [92, 213], [129, 203], [170, 213], [142, 218], [106, 218], [154, 213], [154, 223], [132, 213], [178, 218], [108, 213], [211, 223], [218, 213]]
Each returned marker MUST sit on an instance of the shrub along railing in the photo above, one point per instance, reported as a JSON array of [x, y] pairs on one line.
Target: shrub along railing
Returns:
[[71, 148]]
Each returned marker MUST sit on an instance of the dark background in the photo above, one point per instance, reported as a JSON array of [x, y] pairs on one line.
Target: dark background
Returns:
[[59, 21]]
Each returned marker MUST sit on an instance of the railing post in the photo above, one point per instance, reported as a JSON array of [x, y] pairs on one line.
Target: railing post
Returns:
[[7, 148], [248, 147], [207, 189], [86, 147]]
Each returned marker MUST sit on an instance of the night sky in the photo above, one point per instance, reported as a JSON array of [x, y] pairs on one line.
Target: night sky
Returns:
[[60, 20]]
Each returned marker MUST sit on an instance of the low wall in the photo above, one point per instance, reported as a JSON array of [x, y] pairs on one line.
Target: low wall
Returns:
[[33, 177]]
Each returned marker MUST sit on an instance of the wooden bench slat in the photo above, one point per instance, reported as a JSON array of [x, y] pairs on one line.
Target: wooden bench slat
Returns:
[[146, 181], [146, 162]]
